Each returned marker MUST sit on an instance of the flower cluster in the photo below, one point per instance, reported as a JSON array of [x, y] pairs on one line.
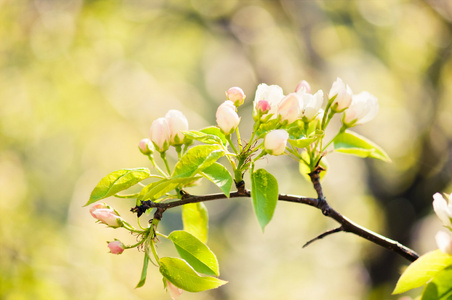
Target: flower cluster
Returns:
[[443, 209], [282, 111]]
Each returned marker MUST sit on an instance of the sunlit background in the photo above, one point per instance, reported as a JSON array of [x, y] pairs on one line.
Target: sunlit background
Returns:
[[81, 82]]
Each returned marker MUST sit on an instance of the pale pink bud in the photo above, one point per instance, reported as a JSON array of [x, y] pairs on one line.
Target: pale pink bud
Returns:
[[116, 247], [236, 95], [97, 206], [160, 134], [270, 93], [311, 105], [443, 209], [444, 242], [364, 108], [146, 146], [290, 108], [173, 290], [227, 117], [275, 141], [107, 216], [263, 107], [343, 95], [303, 86], [177, 123]]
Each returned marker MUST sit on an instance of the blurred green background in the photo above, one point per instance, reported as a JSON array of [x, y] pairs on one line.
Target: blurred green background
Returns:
[[82, 81]]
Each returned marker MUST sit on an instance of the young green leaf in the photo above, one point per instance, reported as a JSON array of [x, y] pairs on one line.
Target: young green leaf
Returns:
[[157, 189], [264, 191], [422, 270], [203, 137], [213, 130], [196, 220], [440, 287], [195, 252], [179, 273], [220, 176], [302, 143], [352, 143], [117, 181], [196, 159], [144, 271]]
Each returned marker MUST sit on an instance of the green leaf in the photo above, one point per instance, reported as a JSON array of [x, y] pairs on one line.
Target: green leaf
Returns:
[[264, 191], [195, 252], [302, 143], [196, 159], [440, 288], [220, 176], [157, 189], [179, 273], [144, 271], [352, 143], [117, 181], [196, 220], [213, 130], [203, 137], [422, 270]]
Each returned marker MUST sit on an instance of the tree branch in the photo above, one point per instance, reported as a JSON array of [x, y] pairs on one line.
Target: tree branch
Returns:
[[327, 210]]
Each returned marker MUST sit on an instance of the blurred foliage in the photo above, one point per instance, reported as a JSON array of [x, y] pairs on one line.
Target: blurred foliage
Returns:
[[81, 82]]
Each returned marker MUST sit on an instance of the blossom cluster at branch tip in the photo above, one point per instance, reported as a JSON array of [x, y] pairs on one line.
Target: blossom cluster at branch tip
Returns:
[[227, 117], [116, 247], [106, 215]]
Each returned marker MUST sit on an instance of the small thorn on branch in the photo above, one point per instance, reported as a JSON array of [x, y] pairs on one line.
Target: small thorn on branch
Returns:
[[339, 229]]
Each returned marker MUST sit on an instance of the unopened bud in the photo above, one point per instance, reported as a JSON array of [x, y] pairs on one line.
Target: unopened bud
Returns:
[[160, 134], [116, 247], [290, 108], [343, 94], [303, 86], [227, 117], [364, 108], [236, 95], [146, 146], [177, 123], [275, 141], [106, 215]]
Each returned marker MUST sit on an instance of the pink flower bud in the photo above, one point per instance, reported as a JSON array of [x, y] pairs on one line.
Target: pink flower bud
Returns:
[[177, 123], [227, 118], [146, 146], [290, 108], [263, 107], [270, 93], [343, 95], [275, 141], [236, 95], [443, 209], [303, 86], [364, 108], [444, 242], [173, 290], [107, 216], [311, 105], [160, 134], [116, 247], [97, 206]]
